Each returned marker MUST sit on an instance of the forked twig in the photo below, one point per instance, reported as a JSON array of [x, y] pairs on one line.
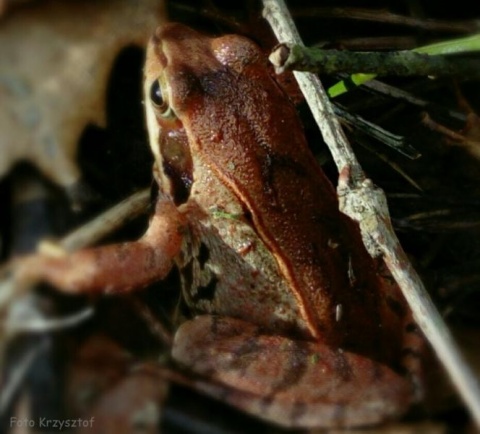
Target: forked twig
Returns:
[[367, 205]]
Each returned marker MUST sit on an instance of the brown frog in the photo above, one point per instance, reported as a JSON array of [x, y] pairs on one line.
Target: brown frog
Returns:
[[291, 319]]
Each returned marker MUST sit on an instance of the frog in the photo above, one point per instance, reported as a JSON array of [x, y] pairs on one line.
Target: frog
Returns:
[[289, 318]]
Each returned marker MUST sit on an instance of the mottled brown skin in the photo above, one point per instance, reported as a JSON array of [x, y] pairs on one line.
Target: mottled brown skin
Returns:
[[295, 322]]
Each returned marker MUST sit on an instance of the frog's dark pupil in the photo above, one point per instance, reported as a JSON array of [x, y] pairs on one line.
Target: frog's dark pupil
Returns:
[[156, 93]]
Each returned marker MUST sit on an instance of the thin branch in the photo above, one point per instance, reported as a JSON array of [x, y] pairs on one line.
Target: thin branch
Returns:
[[367, 205], [396, 63], [32, 321], [108, 222]]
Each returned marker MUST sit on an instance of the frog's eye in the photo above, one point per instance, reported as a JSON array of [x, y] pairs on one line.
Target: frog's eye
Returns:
[[159, 102]]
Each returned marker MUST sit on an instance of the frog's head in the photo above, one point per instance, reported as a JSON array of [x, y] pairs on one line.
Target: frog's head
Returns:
[[189, 79]]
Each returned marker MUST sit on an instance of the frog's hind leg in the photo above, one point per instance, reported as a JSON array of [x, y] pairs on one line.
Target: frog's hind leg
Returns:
[[288, 382]]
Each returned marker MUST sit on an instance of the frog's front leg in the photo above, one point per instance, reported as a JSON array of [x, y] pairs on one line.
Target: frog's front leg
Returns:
[[112, 268], [289, 382]]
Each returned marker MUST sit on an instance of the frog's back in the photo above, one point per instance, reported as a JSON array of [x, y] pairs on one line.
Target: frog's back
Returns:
[[243, 129]]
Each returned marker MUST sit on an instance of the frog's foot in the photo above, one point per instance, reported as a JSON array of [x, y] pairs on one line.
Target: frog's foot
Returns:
[[288, 382]]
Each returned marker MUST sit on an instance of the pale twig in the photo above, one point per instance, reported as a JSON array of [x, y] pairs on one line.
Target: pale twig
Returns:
[[108, 222], [367, 205], [24, 317]]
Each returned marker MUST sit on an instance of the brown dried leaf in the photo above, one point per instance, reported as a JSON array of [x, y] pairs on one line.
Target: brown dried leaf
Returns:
[[54, 65]]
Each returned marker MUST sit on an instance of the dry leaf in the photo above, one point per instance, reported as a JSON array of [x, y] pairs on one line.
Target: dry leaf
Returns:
[[54, 65]]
